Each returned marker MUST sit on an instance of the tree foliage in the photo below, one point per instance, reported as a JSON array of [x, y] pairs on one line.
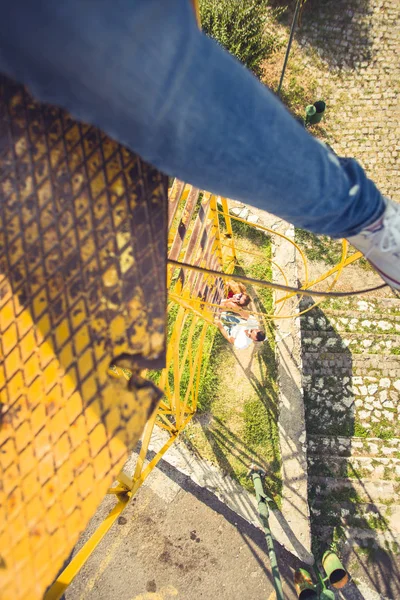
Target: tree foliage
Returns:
[[243, 27]]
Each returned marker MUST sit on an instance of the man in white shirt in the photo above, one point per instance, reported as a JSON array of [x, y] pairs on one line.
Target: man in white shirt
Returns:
[[240, 332]]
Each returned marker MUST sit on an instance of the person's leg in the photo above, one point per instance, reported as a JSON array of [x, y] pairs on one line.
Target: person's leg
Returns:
[[225, 330], [141, 71], [230, 318]]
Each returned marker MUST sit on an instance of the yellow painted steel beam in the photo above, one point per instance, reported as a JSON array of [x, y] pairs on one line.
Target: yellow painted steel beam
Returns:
[[57, 590], [143, 450], [353, 258], [228, 224], [188, 305], [271, 231], [118, 489], [197, 11], [188, 344], [159, 456], [198, 364], [217, 233]]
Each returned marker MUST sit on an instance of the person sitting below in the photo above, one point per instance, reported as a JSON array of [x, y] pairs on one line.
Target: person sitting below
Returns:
[[240, 332], [237, 298]]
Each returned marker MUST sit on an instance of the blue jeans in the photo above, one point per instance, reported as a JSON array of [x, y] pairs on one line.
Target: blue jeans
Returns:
[[141, 71]]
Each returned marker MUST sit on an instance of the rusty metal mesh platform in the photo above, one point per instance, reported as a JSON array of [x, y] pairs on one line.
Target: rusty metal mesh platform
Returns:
[[82, 281]]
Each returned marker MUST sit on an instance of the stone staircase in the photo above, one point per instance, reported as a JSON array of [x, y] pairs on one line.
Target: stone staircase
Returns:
[[351, 383]]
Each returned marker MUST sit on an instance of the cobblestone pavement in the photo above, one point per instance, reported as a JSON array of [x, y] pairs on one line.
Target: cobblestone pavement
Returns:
[[352, 49]]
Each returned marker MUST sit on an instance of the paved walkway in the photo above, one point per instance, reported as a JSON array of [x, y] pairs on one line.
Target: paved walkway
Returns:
[[352, 49], [178, 540]]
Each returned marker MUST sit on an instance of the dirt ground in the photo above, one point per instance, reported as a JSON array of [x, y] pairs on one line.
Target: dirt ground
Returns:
[[177, 540]]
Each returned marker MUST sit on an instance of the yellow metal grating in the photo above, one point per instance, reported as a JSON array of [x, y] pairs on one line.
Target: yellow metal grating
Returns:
[[82, 282]]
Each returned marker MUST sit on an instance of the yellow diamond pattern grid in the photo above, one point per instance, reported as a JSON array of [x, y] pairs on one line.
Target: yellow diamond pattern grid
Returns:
[[82, 263]]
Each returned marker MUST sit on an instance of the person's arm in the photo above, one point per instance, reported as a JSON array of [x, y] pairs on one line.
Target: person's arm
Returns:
[[228, 304], [245, 314], [222, 329]]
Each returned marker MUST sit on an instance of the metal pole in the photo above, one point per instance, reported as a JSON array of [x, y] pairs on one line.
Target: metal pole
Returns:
[[262, 500], [296, 12], [324, 593]]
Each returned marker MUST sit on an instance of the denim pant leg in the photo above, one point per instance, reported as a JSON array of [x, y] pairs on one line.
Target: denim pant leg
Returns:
[[141, 71], [230, 317]]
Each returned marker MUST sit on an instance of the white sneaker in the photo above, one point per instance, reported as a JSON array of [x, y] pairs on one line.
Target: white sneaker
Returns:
[[380, 244]]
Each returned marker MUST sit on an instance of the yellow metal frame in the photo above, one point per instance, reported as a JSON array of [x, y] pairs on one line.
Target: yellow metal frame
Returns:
[[85, 449], [178, 406], [64, 580]]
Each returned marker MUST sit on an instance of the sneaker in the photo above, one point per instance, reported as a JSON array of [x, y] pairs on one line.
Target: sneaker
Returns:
[[380, 244]]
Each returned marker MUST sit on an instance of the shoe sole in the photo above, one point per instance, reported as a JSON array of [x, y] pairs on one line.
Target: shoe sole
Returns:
[[389, 280]]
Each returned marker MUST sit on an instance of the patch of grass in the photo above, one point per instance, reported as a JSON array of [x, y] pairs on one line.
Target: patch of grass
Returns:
[[384, 432], [335, 304], [236, 424], [338, 537], [252, 239], [243, 28], [299, 88], [241, 407], [376, 523], [394, 548], [340, 496], [387, 502], [257, 430], [319, 247], [360, 431], [367, 551], [212, 362]]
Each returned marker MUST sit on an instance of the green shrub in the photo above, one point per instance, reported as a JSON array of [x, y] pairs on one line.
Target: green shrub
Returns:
[[241, 26]]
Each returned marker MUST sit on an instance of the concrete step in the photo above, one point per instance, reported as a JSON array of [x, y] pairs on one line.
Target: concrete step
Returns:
[[343, 364], [342, 416], [369, 343], [352, 446], [348, 406], [366, 538], [371, 306], [364, 364], [377, 396], [346, 490], [354, 467], [376, 517], [385, 389], [337, 321]]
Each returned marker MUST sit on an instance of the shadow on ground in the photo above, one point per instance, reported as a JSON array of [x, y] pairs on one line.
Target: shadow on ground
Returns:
[[339, 499], [249, 533], [335, 28]]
